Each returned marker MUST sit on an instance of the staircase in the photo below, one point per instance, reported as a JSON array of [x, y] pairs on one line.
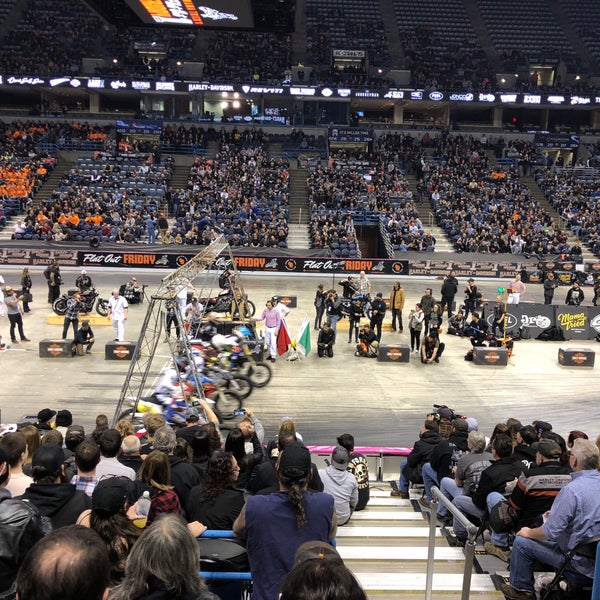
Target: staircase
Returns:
[[537, 195], [386, 547], [482, 34], [442, 243], [392, 35], [51, 184], [298, 237]]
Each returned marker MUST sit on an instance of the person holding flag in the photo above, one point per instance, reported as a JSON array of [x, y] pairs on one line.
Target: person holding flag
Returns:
[[272, 319]]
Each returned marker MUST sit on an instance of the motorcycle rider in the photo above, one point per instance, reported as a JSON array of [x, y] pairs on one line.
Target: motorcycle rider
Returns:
[[84, 282], [193, 313]]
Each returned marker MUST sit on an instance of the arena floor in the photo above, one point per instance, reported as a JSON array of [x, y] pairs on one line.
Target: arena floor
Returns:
[[379, 403]]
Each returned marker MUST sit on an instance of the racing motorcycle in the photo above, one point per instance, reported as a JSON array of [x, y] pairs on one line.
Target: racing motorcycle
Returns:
[[87, 301]]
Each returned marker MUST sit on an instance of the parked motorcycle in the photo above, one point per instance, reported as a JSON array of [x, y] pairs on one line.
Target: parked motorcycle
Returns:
[[87, 300], [222, 304]]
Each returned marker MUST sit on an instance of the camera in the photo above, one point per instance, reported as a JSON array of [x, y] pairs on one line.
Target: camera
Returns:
[[238, 412]]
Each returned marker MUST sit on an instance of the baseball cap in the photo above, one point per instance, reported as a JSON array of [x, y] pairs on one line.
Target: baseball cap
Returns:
[[294, 461], [83, 271], [109, 496], [340, 458], [49, 457], [315, 549], [192, 414], [379, 294], [547, 448], [275, 298], [542, 426], [45, 414]]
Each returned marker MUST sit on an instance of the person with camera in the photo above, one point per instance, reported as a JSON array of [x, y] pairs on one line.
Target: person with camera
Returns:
[[333, 309], [448, 291], [356, 314], [369, 344], [378, 309], [72, 314], [472, 297], [14, 311], [431, 349], [325, 341]]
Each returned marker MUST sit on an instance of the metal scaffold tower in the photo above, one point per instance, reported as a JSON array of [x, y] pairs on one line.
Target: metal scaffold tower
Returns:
[[153, 326]]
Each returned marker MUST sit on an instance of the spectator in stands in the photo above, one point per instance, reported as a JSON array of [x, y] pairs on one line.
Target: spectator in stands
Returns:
[[274, 526], [465, 478], [183, 477], [108, 519], [411, 468], [444, 458], [70, 563], [340, 484], [14, 445], [166, 557], [533, 495], [217, 502], [575, 516], [87, 457], [130, 452], [154, 476], [359, 467], [109, 466], [50, 493], [498, 477]]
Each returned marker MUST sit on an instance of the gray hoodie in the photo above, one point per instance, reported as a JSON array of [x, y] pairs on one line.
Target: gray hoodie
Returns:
[[344, 489]]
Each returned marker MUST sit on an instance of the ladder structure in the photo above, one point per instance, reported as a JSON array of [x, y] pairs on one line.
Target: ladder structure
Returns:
[[196, 269]]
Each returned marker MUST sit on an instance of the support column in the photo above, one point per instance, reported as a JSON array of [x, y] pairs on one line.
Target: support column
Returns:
[[398, 114], [498, 114], [94, 102]]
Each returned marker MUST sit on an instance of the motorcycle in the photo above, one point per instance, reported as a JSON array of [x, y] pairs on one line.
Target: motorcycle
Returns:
[[222, 304], [87, 300]]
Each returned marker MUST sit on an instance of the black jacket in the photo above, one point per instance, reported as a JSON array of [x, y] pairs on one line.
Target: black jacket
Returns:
[[441, 456], [449, 287], [420, 455], [495, 478], [265, 480], [20, 529], [183, 478], [61, 502]]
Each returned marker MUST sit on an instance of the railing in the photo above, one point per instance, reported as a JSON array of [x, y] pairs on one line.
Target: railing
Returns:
[[430, 220], [385, 236], [438, 497]]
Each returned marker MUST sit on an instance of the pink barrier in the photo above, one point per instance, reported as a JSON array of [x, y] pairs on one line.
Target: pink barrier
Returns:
[[368, 450]]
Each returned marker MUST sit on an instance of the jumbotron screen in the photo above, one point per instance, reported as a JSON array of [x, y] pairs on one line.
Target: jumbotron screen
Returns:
[[226, 14]]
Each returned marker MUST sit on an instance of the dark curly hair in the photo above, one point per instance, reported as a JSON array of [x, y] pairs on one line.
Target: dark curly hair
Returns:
[[219, 476]]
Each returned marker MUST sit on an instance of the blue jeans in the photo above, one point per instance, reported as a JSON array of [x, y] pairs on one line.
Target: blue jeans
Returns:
[[466, 505], [526, 552], [429, 479], [449, 488], [403, 483]]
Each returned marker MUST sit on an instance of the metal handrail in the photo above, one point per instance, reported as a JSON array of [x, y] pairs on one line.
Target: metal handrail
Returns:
[[437, 497]]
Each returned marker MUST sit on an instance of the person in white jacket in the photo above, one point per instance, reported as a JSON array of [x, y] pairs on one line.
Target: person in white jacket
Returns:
[[341, 484]]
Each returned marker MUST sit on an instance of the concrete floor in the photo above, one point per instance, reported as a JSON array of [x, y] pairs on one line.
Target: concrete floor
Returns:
[[380, 403]]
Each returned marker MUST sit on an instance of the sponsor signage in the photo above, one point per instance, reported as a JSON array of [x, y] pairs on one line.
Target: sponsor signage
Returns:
[[348, 53], [532, 99], [95, 84], [436, 96], [141, 85], [302, 91], [536, 317], [461, 97], [508, 98], [574, 321], [164, 86], [350, 134], [395, 95]]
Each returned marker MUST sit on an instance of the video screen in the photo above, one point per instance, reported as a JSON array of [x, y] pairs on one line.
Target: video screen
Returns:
[[224, 14]]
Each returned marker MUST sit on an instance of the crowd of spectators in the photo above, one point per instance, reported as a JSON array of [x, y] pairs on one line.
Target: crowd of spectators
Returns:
[[50, 39], [104, 198], [242, 193], [575, 196], [245, 57], [361, 186], [486, 209]]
